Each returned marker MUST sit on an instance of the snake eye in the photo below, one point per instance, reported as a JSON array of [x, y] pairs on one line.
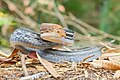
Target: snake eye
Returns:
[[58, 31], [47, 31]]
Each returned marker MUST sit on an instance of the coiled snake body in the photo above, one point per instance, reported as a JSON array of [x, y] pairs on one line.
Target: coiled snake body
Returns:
[[27, 40]]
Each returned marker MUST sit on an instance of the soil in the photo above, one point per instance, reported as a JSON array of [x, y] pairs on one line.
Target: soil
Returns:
[[68, 72]]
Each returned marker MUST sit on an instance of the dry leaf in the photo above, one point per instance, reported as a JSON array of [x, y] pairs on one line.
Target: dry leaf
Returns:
[[14, 52], [117, 74], [28, 61], [3, 54], [105, 64], [2, 60], [113, 50], [115, 59], [40, 68], [48, 66], [109, 55]]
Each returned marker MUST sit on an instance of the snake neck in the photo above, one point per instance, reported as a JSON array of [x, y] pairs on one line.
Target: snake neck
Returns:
[[28, 38]]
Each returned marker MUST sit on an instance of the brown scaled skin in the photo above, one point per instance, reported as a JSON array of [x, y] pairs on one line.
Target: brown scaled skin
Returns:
[[49, 27]]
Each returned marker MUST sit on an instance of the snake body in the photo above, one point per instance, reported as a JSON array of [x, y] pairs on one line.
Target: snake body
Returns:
[[31, 41], [76, 55]]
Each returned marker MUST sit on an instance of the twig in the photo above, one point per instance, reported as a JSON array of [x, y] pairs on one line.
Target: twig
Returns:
[[26, 19], [3, 53], [93, 29], [82, 29], [19, 21], [59, 15], [95, 39], [24, 65]]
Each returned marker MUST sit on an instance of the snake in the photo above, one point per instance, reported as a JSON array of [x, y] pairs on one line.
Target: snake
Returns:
[[27, 40]]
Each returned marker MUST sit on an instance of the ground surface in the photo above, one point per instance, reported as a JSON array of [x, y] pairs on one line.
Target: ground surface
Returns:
[[68, 72], [12, 70]]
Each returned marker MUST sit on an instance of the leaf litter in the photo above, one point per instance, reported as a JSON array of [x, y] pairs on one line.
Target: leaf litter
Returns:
[[107, 67]]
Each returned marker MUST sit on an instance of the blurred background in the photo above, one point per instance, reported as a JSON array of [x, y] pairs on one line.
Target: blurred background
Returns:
[[94, 21]]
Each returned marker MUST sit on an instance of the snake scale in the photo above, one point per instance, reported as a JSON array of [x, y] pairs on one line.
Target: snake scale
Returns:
[[27, 40]]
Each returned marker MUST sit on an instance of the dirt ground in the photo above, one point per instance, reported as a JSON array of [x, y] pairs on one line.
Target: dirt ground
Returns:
[[12, 70], [66, 70]]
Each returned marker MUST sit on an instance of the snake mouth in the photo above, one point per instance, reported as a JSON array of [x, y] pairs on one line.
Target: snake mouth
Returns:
[[68, 40], [54, 37]]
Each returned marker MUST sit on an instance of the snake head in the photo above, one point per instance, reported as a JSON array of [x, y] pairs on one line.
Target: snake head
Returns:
[[56, 33]]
